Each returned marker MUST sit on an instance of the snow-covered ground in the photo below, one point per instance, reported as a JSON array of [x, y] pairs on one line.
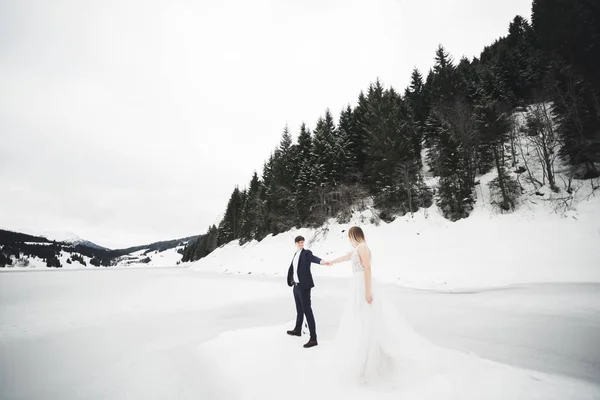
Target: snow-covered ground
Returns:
[[165, 258], [426, 251], [549, 237], [178, 333]]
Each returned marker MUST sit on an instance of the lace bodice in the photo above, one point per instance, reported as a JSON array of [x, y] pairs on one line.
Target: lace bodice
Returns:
[[355, 261]]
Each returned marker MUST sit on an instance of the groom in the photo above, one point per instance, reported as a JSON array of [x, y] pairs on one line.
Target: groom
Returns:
[[300, 277]]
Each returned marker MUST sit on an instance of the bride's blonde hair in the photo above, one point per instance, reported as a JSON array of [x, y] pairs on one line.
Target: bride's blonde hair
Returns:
[[356, 234]]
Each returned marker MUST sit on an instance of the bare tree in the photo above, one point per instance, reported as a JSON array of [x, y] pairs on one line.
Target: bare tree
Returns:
[[503, 180], [513, 138], [567, 184], [543, 136], [407, 172], [524, 155], [562, 204], [344, 199], [595, 184]]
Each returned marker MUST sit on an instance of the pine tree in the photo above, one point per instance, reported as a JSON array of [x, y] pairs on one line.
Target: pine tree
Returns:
[[280, 186], [202, 246], [467, 78], [304, 190], [418, 109], [358, 136], [212, 239], [207, 243], [285, 165], [444, 84], [253, 213], [442, 81], [5, 261], [266, 193], [305, 178], [577, 106], [342, 162], [450, 134], [304, 147], [392, 164], [230, 226], [379, 123], [346, 157], [324, 144], [188, 251], [571, 30], [200, 250], [455, 197], [54, 262]]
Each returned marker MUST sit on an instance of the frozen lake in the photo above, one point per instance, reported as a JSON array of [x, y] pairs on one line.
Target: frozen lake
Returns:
[[124, 334]]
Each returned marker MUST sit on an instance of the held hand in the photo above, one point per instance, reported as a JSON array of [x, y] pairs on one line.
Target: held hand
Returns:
[[327, 263], [369, 298]]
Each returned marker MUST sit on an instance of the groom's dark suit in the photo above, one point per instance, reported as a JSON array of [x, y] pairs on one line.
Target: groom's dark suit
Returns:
[[302, 290]]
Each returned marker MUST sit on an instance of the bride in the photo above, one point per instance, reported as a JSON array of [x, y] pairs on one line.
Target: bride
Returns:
[[372, 341]]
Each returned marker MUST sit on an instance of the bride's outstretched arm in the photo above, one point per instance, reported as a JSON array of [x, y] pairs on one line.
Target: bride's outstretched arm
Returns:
[[365, 259], [339, 259]]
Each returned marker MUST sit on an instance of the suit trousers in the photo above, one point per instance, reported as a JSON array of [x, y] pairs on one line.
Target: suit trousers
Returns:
[[303, 307]]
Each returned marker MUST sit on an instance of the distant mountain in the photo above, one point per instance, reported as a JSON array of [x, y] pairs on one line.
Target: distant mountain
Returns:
[[54, 249], [61, 236], [70, 237]]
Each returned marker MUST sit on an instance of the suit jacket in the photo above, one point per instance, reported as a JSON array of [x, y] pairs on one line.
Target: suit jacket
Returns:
[[304, 275]]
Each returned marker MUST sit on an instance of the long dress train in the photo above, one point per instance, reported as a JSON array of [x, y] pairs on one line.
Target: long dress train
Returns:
[[373, 341]]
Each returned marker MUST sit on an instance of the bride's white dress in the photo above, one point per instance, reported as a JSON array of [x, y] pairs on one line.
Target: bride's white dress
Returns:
[[373, 341]]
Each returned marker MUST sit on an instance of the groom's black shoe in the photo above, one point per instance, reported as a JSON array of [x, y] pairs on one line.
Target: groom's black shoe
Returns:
[[294, 333], [310, 343]]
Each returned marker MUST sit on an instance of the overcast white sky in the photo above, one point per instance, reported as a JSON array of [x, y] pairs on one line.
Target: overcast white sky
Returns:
[[130, 121]]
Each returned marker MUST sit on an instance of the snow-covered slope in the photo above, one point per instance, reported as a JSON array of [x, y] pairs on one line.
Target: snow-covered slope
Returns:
[[142, 258], [145, 257], [34, 262], [549, 237], [428, 251], [28, 251]]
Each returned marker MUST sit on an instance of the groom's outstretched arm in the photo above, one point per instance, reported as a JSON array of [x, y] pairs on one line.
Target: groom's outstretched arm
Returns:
[[313, 258]]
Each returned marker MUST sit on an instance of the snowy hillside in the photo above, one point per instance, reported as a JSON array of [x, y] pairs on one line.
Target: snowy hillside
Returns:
[[146, 257], [19, 250], [427, 251], [549, 237], [167, 258]]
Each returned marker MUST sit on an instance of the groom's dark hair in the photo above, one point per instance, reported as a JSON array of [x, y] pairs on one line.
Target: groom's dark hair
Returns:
[[298, 239]]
